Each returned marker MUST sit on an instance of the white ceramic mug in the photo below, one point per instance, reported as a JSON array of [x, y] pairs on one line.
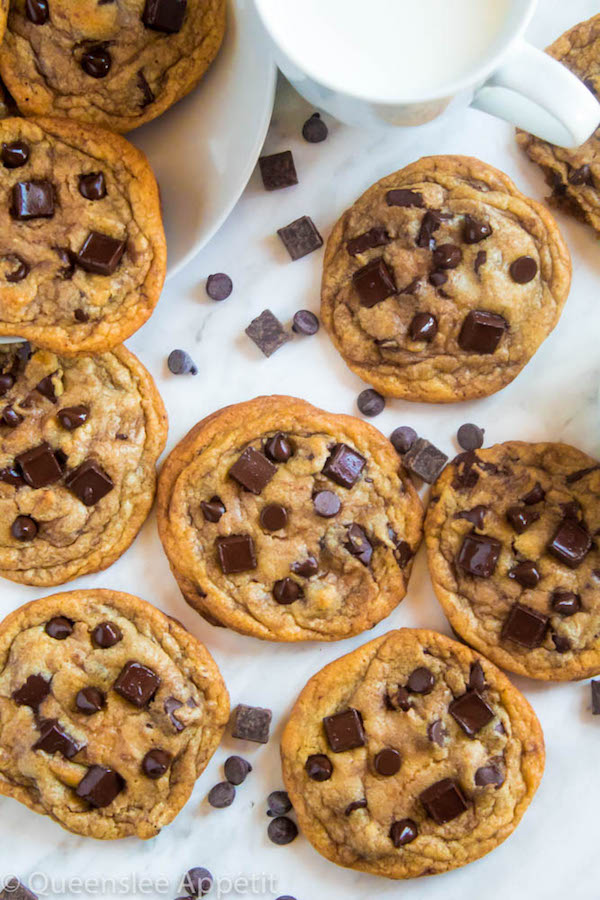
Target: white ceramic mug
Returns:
[[507, 77]]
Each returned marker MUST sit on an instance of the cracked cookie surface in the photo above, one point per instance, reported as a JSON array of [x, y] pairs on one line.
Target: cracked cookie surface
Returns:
[[79, 440], [288, 523], [411, 756], [442, 280], [513, 552], [82, 245], [117, 64], [109, 712]]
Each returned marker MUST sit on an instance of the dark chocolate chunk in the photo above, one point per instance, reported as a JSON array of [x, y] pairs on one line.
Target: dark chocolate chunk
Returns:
[[300, 237], [480, 260], [59, 628], [221, 795], [436, 732], [11, 417], [24, 528], [570, 543], [404, 197], [19, 269], [319, 767], [219, 286], [252, 470], [99, 786], [212, 509], [287, 591], [106, 635], [595, 685], [375, 237], [45, 387], [423, 327], [444, 800], [481, 331], [430, 223], [72, 417], [278, 448], [33, 692], [447, 256], [581, 473], [282, 830], [344, 466], [89, 482], [521, 518], [402, 832], [15, 890], [582, 175], [562, 644], [475, 231], [374, 282], [305, 322], [306, 567], [403, 552], [387, 762], [479, 555], [252, 723], [535, 495], [236, 769], [525, 626], [370, 402], [197, 882], [180, 362], [356, 804], [421, 681], [100, 254], [148, 95], [12, 475], [15, 154], [137, 684], [267, 332], [475, 516], [39, 466], [278, 170], [489, 775], [437, 279], [565, 603], [96, 61], [358, 544], [236, 553], [398, 699], [273, 517], [403, 438], [92, 185], [526, 573], [156, 763], [278, 803], [425, 460], [471, 712], [314, 129], [523, 269], [6, 382], [477, 680], [344, 730], [89, 701], [326, 504], [470, 437], [164, 15], [54, 739], [171, 705], [32, 200]]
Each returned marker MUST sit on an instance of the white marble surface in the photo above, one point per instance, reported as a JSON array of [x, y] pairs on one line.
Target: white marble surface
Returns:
[[555, 398]]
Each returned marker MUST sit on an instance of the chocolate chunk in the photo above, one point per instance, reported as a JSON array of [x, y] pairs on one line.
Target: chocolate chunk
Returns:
[[403, 552], [16, 890], [356, 804], [477, 680], [89, 701], [32, 200], [387, 762], [164, 15], [437, 279], [582, 175], [421, 681], [6, 382], [96, 61], [100, 254], [80, 314], [253, 470], [430, 223], [404, 197], [595, 685], [581, 473], [561, 643], [278, 170], [447, 256], [523, 269], [358, 544], [535, 495], [344, 466], [181, 363], [39, 466], [344, 730], [15, 154], [99, 786], [46, 388], [148, 95], [565, 603], [403, 438], [89, 482], [106, 635], [423, 327], [278, 448], [489, 775], [156, 762], [12, 475], [267, 332], [471, 712], [425, 460], [319, 767], [475, 231], [370, 402], [219, 286], [306, 568], [436, 732], [398, 699], [526, 573], [170, 706], [24, 528], [314, 129], [470, 437], [525, 626], [374, 283], [33, 692], [19, 270], [11, 417], [252, 723], [72, 417], [236, 553], [37, 11], [198, 882], [475, 516], [53, 739], [521, 518], [570, 543], [273, 517], [479, 555], [326, 504], [480, 260], [278, 803], [402, 832], [305, 322], [92, 185], [59, 628], [444, 800], [300, 237], [236, 769], [137, 684], [287, 591], [282, 830], [375, 237], [212, 509], [481, 331]]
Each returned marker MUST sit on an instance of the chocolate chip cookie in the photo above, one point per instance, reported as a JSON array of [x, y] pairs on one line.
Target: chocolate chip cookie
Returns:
[[410, 756], [574, 175], [110, 62], [82, 246], [288, 523], [109, 712], [442, 281], [79, 440], [512, 535]]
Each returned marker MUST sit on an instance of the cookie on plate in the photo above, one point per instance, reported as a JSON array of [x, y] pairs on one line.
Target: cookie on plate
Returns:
[[513, 552], [79, 440], [117, 64], [288, 523], [109, 712], [82, 246], [442, 281], [410, 756], [573, 175]]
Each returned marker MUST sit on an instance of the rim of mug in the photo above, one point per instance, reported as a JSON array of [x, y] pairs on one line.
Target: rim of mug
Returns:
[[471, 80]]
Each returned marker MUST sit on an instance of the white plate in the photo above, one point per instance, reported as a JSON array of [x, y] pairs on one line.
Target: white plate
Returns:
[[204, 149]]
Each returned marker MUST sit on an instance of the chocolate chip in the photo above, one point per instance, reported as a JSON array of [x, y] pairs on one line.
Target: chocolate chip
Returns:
[[100, 254], [421, 681], [156, 763], [305, 322], [470, 437], [344, 466], [12, 475], [489, 775], [370, 402], [477, 680], [19, 270], [106, 635], [535, 495], [59, 628], [436, 732], [96, 61], [33, 692], [164, 15], [300, 237], [306, 568], [521, 518], [53, 739], [471, 712], [16, 890], [236, 553], [137, 684], [24, 529], [37, 11], [212, 509], [148, 95], [595, 686], [181, 363], [100, 786], [447, 256], [475, 231], [344, 730], [198, 882], [565, 603], [89, 701], [278, 170], [80, 314], [580, 176], [11, 417], [437, 279], [39, 466], [319, 767], [479, 555], [561, 643], [430, 223], [403, 438], [6, 382], [72, 417], [525, 626], [287, 591], [15, 154], [236, 769], [32, 200], [481, 331], [402, 832], [358, 544], [570, 543], [526, 573], [404, 197], [278, 803], [423, 327], [219, 286], [475, 516], [314, 129], [282, 830], [374, 283], [92, 185], [356, 804], [444, 800], [326, 504], [523, 269], [170, 706], [252, 723], [425, 460], [267, 332], [387, 762], [479, 261], [89, 482], [399, 699], [278, 448], [253, 470], [375, 237]]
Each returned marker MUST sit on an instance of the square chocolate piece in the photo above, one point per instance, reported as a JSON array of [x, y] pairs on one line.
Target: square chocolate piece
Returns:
[[251, 723], [571, 543], [444, 800], [425, 460], [404, 197], [595, 698], [471, 712], [525, 626], [300, 237], [344, 466], [39, 466], [268, 333], [16, 890], [32, 200], [375, 237], [252, 470], [344, 730], [481, 331], [89, 482], [236, 553], [278, 170], [164, 15], [100, 786], [374, 283], [137, 684], [54, 740], [479, 555], [100, 254]]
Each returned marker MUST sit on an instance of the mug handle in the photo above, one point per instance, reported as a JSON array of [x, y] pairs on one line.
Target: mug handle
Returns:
[[538, 94]]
